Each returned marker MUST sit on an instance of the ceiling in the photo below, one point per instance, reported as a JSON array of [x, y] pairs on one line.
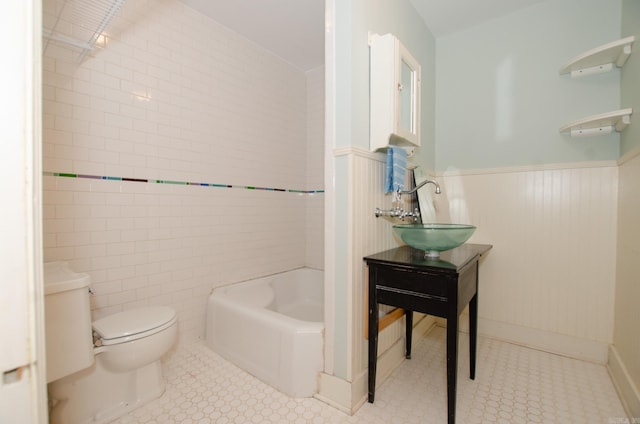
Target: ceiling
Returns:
[[294, 29], [444, 17], [291, 29]]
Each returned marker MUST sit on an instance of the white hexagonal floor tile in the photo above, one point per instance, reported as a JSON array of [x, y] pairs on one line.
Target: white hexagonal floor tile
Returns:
[[513, 385]]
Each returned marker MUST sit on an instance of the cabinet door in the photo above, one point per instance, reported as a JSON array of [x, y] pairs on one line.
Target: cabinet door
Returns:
[[395, 89], [408, 97]]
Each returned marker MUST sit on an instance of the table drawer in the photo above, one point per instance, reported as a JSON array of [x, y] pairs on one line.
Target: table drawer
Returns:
[[415, 281]]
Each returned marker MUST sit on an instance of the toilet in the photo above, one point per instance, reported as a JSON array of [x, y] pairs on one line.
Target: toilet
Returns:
[[100, 371]]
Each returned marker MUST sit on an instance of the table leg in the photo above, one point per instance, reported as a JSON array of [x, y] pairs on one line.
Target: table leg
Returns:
[[452, 367], [409, 331], [473, 335], [373, 339]]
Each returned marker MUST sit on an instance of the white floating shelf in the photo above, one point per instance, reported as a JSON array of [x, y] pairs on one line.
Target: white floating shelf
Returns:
[[604, 123], [601, 59]]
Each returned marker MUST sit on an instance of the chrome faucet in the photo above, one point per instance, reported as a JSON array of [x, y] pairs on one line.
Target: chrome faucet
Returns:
[[425, 182], [400, 213]]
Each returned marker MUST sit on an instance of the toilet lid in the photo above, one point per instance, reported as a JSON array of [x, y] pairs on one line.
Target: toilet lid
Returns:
[[133, 321]]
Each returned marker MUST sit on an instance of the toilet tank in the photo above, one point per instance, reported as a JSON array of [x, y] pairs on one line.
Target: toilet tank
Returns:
[[69, 340]]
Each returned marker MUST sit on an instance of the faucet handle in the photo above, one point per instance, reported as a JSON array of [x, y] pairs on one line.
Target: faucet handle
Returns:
[[416, 214], [397, 196]]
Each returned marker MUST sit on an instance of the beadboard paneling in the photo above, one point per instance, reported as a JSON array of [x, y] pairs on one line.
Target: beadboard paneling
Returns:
[[625, 360], [552, 267], [373, 235]]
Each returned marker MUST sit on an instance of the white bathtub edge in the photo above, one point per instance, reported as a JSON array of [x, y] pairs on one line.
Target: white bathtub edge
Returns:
[[284, 352]]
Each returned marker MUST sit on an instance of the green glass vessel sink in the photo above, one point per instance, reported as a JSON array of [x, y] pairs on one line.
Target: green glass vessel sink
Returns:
[[434, 238]]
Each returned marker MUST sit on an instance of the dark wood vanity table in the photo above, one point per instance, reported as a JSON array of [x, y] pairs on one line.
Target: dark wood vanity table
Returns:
[[443, 287]]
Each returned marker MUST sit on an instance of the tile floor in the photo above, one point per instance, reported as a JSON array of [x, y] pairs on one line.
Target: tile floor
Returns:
[[513, 385]]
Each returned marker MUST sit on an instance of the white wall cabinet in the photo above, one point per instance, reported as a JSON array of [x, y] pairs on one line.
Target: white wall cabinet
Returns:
[[395, 87]]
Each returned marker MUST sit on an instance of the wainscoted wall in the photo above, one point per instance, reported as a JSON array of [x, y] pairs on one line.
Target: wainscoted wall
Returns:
[[624, 356], [367, 235], [549, 280], [374, 235], [174, 165]]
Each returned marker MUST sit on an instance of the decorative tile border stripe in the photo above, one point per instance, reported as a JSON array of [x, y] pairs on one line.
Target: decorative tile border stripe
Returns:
[[186, 183]]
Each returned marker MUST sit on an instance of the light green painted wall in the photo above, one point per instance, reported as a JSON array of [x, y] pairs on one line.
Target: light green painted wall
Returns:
[[342, 62], [630, 80], [401, 19], [341, 267], [356, 19], [500, 99]]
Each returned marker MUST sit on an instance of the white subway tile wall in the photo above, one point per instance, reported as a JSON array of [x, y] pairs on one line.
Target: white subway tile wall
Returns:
[[177, 98], [315, 168]]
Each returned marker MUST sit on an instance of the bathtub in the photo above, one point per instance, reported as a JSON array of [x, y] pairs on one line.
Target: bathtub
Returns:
[[272, 327]]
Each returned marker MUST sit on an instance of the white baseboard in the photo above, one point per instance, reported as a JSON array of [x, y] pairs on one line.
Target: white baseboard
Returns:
[[334, 391], [627, 390], [347, 396], [560, 344]]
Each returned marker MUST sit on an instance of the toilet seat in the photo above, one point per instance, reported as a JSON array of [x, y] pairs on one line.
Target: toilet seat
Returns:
[[133, 324]]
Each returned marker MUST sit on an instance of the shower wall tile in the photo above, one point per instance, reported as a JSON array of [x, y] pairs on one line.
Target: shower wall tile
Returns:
[[315, 128], [315, 168], [178, 98]]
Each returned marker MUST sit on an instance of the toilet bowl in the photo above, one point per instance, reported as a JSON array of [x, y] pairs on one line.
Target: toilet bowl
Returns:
[[134, 338], [125, 369]]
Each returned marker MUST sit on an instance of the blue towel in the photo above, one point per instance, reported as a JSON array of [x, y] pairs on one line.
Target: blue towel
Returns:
[[396, 169]]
